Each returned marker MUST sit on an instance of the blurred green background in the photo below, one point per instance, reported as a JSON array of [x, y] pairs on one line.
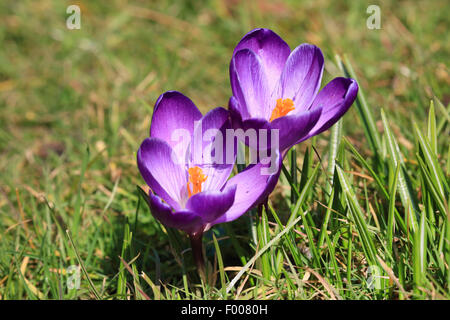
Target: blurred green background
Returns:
[[63, 90]]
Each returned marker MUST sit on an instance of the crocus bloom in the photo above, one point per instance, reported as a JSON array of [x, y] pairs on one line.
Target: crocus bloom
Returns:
[[276, 88], [189, 191]]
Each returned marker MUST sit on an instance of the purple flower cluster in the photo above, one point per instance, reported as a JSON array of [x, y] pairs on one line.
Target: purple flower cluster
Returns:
[[273, 88]]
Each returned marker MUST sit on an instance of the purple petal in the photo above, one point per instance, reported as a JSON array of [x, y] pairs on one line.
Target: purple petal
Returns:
[[249, 84], [272, 50], [211, 204], [210, 132], [239, 105], [174, 111], [155, 159], [237, 112], [248, 132], [253, 186], [272, 181], [217, 175], [212, 159], [295, 127], [252, 135], [254, 124], [301, 76], [185, 220], [334, 99]]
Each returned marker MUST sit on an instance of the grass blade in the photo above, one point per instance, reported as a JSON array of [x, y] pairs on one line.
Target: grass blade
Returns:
[[358, 217], [260, 252], [408, 200], [91, 284]]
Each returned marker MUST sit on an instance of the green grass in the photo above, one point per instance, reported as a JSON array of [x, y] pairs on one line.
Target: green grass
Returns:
[[367, 198]]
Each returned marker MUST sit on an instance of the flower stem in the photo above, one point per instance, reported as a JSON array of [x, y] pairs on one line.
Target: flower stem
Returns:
[[197, 251], [260, 208], [264, 204]]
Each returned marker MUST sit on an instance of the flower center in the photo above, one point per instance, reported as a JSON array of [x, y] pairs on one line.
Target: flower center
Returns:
[[283, 107], [196, 178]]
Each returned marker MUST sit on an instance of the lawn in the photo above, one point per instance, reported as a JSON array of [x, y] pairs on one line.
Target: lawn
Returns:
[[360, 211]]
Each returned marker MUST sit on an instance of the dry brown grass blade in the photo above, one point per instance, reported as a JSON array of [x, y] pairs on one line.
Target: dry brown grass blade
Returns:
[[22, 219], [164, 19], [331, 291], [127, 266], [239, 290], [23, 269], [392, 276]]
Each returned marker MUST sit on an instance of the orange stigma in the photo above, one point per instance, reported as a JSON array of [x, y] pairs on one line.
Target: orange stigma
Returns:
[[196, 178], [283, 107]]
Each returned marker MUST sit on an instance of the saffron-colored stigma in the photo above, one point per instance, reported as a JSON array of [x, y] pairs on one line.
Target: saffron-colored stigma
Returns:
[[283, 107], [196, 178]]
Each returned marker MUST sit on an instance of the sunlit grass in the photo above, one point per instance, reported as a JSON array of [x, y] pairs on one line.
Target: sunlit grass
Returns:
[[367, 198]]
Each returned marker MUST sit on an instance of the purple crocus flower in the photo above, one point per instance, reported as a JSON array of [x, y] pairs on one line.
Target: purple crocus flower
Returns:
[[276, 88], [189, 190]]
